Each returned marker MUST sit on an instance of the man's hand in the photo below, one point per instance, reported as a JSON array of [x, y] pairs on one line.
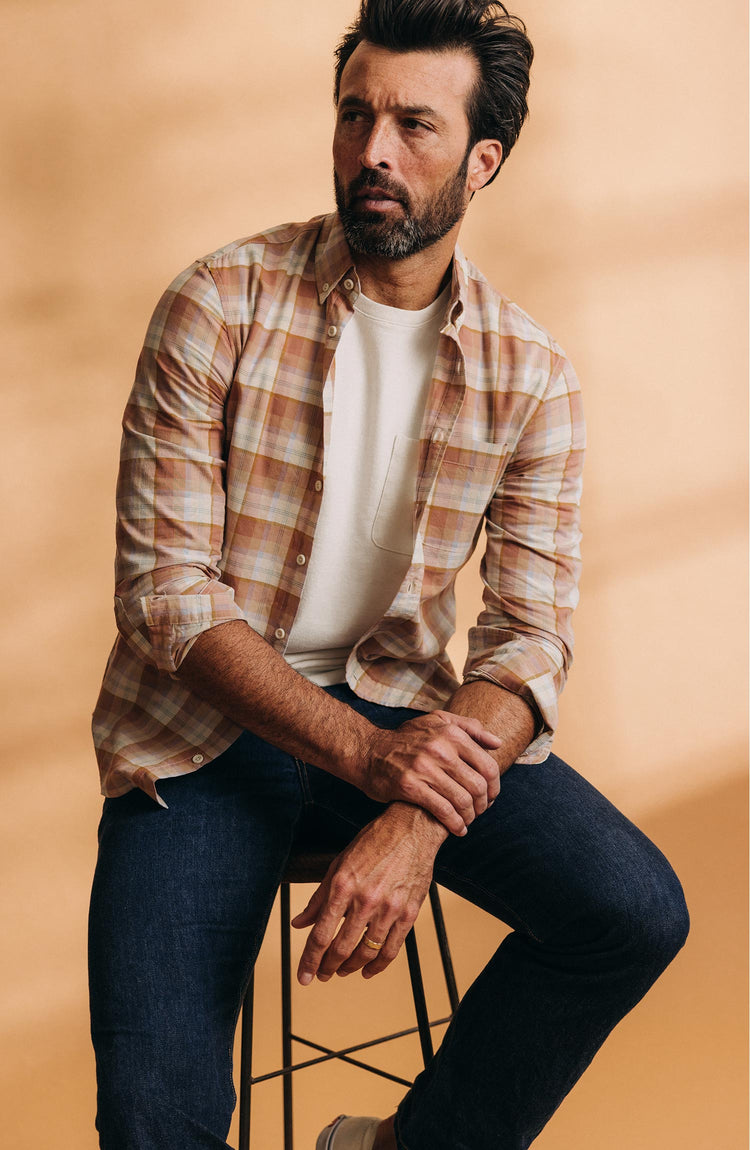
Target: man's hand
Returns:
[[439, 762], [376, 885]]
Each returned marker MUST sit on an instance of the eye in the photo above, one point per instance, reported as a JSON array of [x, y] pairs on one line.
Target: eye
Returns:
[[413, 125], [350, 116]]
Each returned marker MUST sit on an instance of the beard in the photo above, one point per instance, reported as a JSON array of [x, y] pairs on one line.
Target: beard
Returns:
[[372, 234]]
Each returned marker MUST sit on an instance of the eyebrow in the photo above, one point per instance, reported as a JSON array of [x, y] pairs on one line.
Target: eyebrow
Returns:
[[403, 109]]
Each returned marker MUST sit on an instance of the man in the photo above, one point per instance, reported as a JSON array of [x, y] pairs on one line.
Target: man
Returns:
[[323, 418]]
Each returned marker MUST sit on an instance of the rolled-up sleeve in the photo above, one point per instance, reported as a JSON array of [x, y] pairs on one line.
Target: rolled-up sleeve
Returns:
[[523, 640], [170, 491]]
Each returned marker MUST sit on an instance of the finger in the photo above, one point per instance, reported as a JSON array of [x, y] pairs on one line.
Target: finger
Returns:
[[470, 780], [451, 747], [448, 782], [375, 932], [343, 945], [307, 916], [420, 794], [393, 944], [472, 727], [439, 767], [481, 764], [318, 941]]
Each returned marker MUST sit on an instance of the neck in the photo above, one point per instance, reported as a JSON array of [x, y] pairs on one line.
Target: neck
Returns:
[[412, 283]]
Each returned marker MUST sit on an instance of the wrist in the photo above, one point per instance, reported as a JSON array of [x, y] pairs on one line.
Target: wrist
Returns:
[[410, 819], [355, 753]]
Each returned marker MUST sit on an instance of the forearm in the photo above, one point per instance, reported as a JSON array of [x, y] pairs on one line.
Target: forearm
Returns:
[[505, 714], [234, 669]]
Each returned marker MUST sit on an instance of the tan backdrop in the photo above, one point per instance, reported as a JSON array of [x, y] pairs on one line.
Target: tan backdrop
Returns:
[[138, 136]]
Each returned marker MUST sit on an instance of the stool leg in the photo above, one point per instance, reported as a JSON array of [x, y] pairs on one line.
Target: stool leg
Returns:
[[286, 1014], [246, 1064], [445, 950], [417, 988]]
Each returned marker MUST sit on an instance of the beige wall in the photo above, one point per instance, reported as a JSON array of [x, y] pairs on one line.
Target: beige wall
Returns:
[[138, 136]]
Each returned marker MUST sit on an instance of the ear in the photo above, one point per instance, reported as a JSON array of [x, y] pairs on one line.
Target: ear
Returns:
[[484, 160]]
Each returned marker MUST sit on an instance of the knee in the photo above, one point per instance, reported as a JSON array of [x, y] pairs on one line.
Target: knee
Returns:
[[649, 914], [663, 920]]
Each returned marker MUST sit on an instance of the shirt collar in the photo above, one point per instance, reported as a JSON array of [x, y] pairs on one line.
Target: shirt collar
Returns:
[[333, 262]]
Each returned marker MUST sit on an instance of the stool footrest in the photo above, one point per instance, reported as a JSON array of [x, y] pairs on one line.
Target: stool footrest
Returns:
[[343, 1055]]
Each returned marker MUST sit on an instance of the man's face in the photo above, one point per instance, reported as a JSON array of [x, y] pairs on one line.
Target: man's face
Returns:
[[400, 148]]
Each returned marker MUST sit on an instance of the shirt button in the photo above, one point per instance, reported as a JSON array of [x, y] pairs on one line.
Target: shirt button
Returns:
[[301, 560], [280, 633], [198, 759], [348, 284], [439, 435], [326, 286], [318, 485], [332, 330]]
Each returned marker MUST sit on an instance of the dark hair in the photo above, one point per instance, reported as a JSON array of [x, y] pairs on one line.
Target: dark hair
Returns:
[[498, 42]]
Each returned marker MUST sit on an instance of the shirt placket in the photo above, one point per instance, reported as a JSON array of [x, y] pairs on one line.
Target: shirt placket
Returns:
[[338, 311], [447, 395]]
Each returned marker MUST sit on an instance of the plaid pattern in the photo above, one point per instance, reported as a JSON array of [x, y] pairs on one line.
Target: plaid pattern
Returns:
[[222, 468]]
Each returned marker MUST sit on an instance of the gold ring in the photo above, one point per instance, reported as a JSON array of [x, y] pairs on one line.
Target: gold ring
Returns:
[[372, 945]]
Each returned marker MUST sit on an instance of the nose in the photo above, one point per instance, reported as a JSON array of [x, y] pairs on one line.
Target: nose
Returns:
[[377, 147]]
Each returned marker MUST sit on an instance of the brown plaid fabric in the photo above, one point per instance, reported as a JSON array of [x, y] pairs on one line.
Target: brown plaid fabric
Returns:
[[221, 478]]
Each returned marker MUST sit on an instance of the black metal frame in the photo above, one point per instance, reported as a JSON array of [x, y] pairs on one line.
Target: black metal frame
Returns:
[[423, 1027]]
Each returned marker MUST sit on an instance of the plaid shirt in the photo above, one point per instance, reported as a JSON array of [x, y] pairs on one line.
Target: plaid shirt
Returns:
[[221, 477]]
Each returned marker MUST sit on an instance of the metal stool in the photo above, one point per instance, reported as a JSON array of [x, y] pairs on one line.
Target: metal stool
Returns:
[[311, 866]]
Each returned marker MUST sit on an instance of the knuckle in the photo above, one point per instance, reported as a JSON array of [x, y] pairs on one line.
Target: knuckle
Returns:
[[465, 804], [439, 749], [340, 887], [407, 784]]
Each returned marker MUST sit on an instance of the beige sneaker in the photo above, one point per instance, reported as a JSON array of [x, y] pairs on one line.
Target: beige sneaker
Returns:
[[348, 1134]]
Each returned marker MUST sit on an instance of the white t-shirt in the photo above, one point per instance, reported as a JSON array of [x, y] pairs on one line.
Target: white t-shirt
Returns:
[[364, 535]]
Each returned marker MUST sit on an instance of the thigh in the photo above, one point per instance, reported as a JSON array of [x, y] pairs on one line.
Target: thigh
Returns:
[[179, 905], [553, 851]]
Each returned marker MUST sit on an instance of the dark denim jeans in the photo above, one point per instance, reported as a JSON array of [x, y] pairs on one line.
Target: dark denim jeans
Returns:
[[181, 898]]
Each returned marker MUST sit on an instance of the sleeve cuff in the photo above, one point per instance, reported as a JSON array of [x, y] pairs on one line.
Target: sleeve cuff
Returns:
[[161, 627]]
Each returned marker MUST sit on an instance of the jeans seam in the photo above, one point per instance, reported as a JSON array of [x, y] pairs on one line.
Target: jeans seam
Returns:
[[304, 781]]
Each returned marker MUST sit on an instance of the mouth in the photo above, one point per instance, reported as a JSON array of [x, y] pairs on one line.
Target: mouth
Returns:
[[374, 199]]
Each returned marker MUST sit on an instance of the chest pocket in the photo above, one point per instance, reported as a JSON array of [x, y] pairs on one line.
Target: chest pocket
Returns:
[[392, 528], [467, 479]]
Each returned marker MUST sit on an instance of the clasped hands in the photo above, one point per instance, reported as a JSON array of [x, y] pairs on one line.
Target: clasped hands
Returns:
[[437, 774]]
